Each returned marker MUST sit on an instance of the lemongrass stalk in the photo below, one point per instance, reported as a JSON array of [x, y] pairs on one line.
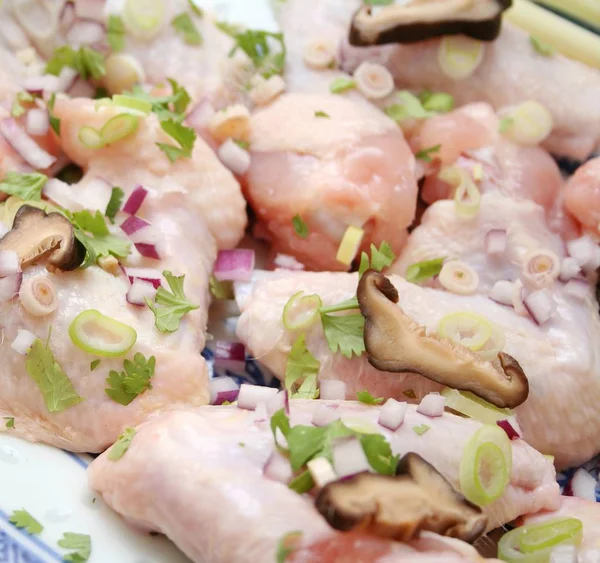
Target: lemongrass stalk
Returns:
[[587, 11]]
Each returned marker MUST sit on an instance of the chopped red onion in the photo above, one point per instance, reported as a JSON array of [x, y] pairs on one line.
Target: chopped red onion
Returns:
[[23, 341], [495, 242], [147, 250], [62, 194], [432, 405], [220, 387], [569, 269], [579, 288], [321, 471], [278, 468], [22, 143], [391, 415], [81, 89], [540, 305], [325, 414], [66, 78], [234, 265], [508, 428], [285, 262], [252, 395], [9, 263], [230, 355], [38, 122], [147, 274], [39, 85], [332, 390], [349, 458], [234, 157], [133, 223], [200, 115], [502, 292], [139, 291], [278, 402], [585, 252], [90, 10], [135, 200], [9, 286], [583, 485], [84, 32]]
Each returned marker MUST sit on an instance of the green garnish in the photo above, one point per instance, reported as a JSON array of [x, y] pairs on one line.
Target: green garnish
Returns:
[[241, 444], [424, 270], [80, 543], [92, 232], [255, 43], [341, 85], [94, 365], [121, 445], [378, 2], [114, 204], [421, 429], [54, 121], [25, 186], [184, 136], [541, 47], [184, 25], [301, 371], [410, 108], [438, 102], [321, 114], [242, 144], [424, 154], [88, 62], [381, 258], [10, 421], [166, 107], [170, 307], [196, 9], [17, 110], [115, 33], [97, 334], [281, 422], [379, 453], [300, 227], [220, 289], [287, 545], [505, 124], [56, 388], [344, 333], [22, 519], [125, 386], [366, 397], [347, 305]]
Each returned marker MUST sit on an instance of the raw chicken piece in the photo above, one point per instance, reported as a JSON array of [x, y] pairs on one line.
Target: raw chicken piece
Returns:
[[582, 195], [180, 378], [560, 358], [221, 452], [211, 190], [353, 168], [511, 72]]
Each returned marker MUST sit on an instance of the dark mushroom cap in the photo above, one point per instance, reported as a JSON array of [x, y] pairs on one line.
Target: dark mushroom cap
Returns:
[[36, 234], [399, 507], [419, 20], [396, 343]]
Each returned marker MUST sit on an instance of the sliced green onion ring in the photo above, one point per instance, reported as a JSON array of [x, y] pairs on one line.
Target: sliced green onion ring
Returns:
[[489, 351], [90, 138], [459, 56], [466, 195], [465, 328], [486, 465], [474, 407], [144, 18], [534, 543], [301, 311], [100, 335], [134, 105], [119, 127]]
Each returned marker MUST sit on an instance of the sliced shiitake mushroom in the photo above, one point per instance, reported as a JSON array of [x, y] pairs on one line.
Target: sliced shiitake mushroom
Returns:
[[418, 20], [36, 234], [396, 343], [399, 507]]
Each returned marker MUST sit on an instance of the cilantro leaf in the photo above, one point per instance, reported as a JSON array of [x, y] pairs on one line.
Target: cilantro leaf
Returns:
[[424, 154], [25, 186], [300, 365], [424, 270], [94, 365], [280, 421], [22, 519], [287, 545], [379, 453], [56, 388], [10, 421], [300, 227], [381, 258], [366, 397], [184, 25], [54, 121], [80, 543], [242, 144], [505, 124], [344, 333], [88, 62], [174, 304], [115, 33], [302, 483], [421, 429], [341, 85], [121, 445], [220, 289], [125, 386], [196, 9], [166, 107], [181, 98], [541, 47], [183, 135], [308, 389], [17, 110], [114, 204], [410, 107], [438, 102], [255, 43], [321, 114]]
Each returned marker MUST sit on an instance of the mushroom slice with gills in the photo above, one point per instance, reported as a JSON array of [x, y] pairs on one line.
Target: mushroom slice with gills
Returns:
[[417, 498], [36, 234], [396, 343], [419, 20]]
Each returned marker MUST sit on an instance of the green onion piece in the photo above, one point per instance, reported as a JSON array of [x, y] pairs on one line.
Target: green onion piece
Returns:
[[534, 543], [466, 196], [144, 17], [486, 465], [341, 85], [90, 138], [137, 105], [465, 328], [119, 127], [97, 334], [439, 102], [472, 406], [301, 312], [424, 270]]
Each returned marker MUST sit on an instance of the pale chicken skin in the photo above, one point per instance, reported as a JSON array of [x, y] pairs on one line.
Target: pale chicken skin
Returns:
[[353, 168], [221, 452], [180, 377], [582, 195], [210, 190]]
